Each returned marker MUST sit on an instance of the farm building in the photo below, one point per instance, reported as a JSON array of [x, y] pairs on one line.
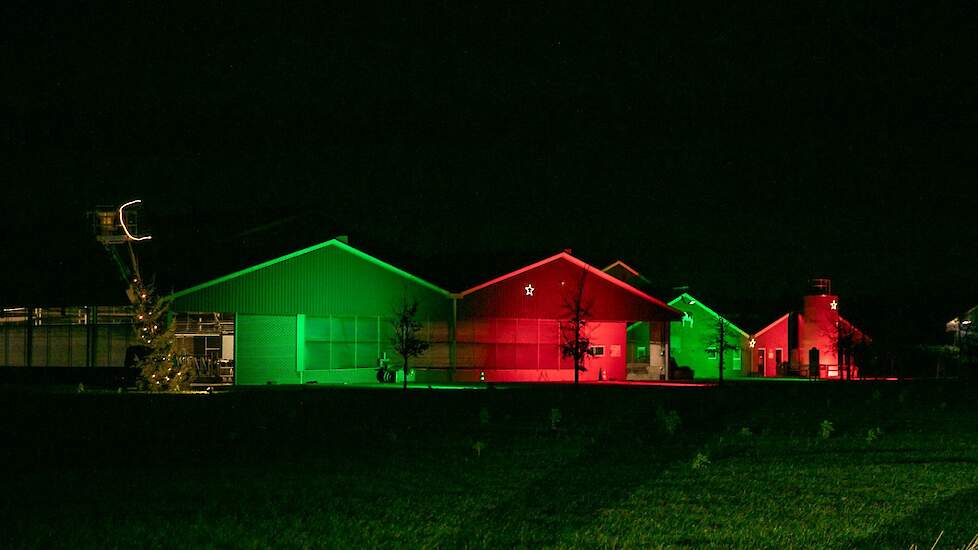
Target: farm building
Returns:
[[818, 334], [963, 337], [510, 328], [621, 270], [65, 337], [694, 340], [319, 315], [962, 328]]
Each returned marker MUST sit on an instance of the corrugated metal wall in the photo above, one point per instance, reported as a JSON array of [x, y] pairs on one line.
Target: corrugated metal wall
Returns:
[[511, 344], [266, 349], [14, 352], [358, 342], [64, 345]]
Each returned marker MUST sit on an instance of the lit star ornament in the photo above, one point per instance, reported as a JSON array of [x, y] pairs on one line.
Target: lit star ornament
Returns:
[[752, 343], [834, 305], [529, 289]]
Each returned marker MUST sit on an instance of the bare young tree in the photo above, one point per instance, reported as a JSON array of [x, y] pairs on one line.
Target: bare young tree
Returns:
[[719, 342], [575, 340], [406, 340], [849, 343]]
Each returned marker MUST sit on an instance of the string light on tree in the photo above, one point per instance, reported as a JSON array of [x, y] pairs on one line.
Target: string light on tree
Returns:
[[161, 369]]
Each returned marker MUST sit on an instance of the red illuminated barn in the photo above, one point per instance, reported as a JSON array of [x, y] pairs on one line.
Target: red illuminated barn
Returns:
[[815, 335], [509, 328]]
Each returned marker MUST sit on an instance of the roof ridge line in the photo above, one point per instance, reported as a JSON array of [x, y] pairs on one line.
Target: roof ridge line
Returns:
[[331, 242]]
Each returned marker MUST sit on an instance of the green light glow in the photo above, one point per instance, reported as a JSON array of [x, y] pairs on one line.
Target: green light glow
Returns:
[[691, 340], [300, 344], [685, 299], [332, 242]]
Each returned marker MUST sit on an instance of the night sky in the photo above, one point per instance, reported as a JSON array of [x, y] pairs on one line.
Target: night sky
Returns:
[[738, 152]]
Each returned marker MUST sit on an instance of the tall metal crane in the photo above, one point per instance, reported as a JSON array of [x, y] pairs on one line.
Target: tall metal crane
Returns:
[[118, 226]]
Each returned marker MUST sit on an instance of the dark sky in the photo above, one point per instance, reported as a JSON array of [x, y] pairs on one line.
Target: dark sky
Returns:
[[736, 151]]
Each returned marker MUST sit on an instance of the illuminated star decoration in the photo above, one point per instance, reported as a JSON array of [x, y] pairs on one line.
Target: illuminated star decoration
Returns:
[[529, 289], [752, 343], [834, 305]]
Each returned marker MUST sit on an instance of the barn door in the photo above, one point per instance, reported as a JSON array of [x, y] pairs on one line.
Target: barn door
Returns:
[[657, 359], [266, 349]]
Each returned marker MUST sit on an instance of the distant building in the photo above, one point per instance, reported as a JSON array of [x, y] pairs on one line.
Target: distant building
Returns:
[[509, 328], [323, 315], [692, 337], [964, 327], [82, 336], [810, 342], [319, 315], [622, 271], [963, 332], [693, 341]]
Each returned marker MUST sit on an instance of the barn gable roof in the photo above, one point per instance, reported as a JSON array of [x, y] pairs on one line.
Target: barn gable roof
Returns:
[[581, 264], [688, 299], [618, 266], [854, 329], [622, 265], [332, 242], [776, 322]]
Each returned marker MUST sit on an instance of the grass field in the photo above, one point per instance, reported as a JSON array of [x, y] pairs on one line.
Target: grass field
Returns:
[[813, 465]]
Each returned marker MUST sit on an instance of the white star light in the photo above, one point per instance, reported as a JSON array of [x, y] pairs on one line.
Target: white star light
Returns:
[[752, 343], [834, 305], [529, 290]]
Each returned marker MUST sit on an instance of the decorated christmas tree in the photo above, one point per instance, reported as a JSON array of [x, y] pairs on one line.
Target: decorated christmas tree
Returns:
[[161, 370], [117, 228]]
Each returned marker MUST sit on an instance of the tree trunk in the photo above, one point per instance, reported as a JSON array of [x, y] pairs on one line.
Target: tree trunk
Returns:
[[405, 372], [577, 351], [722, 346]]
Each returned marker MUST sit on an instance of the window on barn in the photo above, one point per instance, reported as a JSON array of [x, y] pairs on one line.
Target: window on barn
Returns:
[[642, 354], [347, 342], [711, 352], [597, 351]]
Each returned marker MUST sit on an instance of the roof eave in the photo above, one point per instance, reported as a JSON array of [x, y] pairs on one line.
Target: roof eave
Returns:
[[332, 242]]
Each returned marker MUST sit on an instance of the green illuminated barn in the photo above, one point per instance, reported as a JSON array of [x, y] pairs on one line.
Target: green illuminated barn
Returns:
[[318, 315], [694, 342]]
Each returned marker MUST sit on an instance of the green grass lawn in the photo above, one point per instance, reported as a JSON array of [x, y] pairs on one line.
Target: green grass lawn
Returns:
[[748, 465]]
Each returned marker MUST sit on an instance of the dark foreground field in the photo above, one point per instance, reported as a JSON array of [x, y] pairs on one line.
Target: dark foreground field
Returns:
[[876, 465]]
